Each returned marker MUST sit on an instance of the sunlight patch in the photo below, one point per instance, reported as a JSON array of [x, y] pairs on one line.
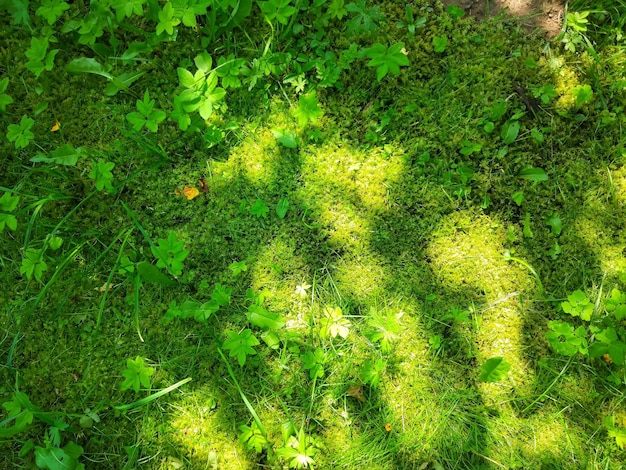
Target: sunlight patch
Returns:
[[202, 437], [362, 277]]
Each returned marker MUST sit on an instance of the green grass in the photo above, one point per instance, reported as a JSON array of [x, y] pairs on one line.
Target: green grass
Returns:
[[387, 217]]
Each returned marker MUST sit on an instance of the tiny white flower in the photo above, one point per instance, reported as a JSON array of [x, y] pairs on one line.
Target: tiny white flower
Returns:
[[301, 290]]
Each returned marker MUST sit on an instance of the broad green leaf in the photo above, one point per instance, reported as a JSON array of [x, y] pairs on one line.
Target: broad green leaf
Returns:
[[221, 294], [440, 43], [204, 62], [510, 131], [87, 65], [555, 223], [494, 370], [286, 138], [186, 78], [282, 207], [261, 318], [518, 197], [533, 174], [150, 273]]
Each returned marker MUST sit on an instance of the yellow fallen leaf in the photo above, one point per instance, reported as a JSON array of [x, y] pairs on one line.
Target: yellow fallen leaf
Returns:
[[56, 126], [190, 192]]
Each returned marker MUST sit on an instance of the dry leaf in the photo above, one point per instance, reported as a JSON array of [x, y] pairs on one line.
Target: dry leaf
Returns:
[[203, 185], [190, 192], [56, 126], [356, 391], [103, 287]]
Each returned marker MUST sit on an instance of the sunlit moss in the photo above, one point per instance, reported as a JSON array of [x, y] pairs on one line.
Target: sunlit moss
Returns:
[[203, 436], [565, 79], [467, 250]]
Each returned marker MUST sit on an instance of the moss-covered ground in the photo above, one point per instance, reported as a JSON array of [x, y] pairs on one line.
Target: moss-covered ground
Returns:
[[392, 218]]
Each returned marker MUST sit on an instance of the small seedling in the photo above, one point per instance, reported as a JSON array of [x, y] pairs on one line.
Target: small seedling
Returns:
[[455, 12], [167, 20], [237, 267], [280, 10], [565, 340], [40, 58], [259, 209], [33, 264], [440, 43], [52, 10], [372, 371], [333, 323], [308, 109], [253, 438], [578, 305], [555, 223], [314, 361], [410, 22], [364, 20], [101, 175], [383, 328]]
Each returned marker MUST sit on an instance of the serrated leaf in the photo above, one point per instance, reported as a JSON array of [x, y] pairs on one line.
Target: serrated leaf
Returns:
[[66, 154], [555, 223], [259, 208]]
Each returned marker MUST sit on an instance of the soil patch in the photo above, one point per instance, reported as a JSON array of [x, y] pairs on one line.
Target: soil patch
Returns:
[[544, 15]]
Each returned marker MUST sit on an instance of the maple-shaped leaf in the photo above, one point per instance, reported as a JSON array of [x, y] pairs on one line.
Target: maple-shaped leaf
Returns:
[[102, 176], [170, 254], [259, 208], [308, 109], [136, 374], [33, 264], [387, 59], [241, 345]]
